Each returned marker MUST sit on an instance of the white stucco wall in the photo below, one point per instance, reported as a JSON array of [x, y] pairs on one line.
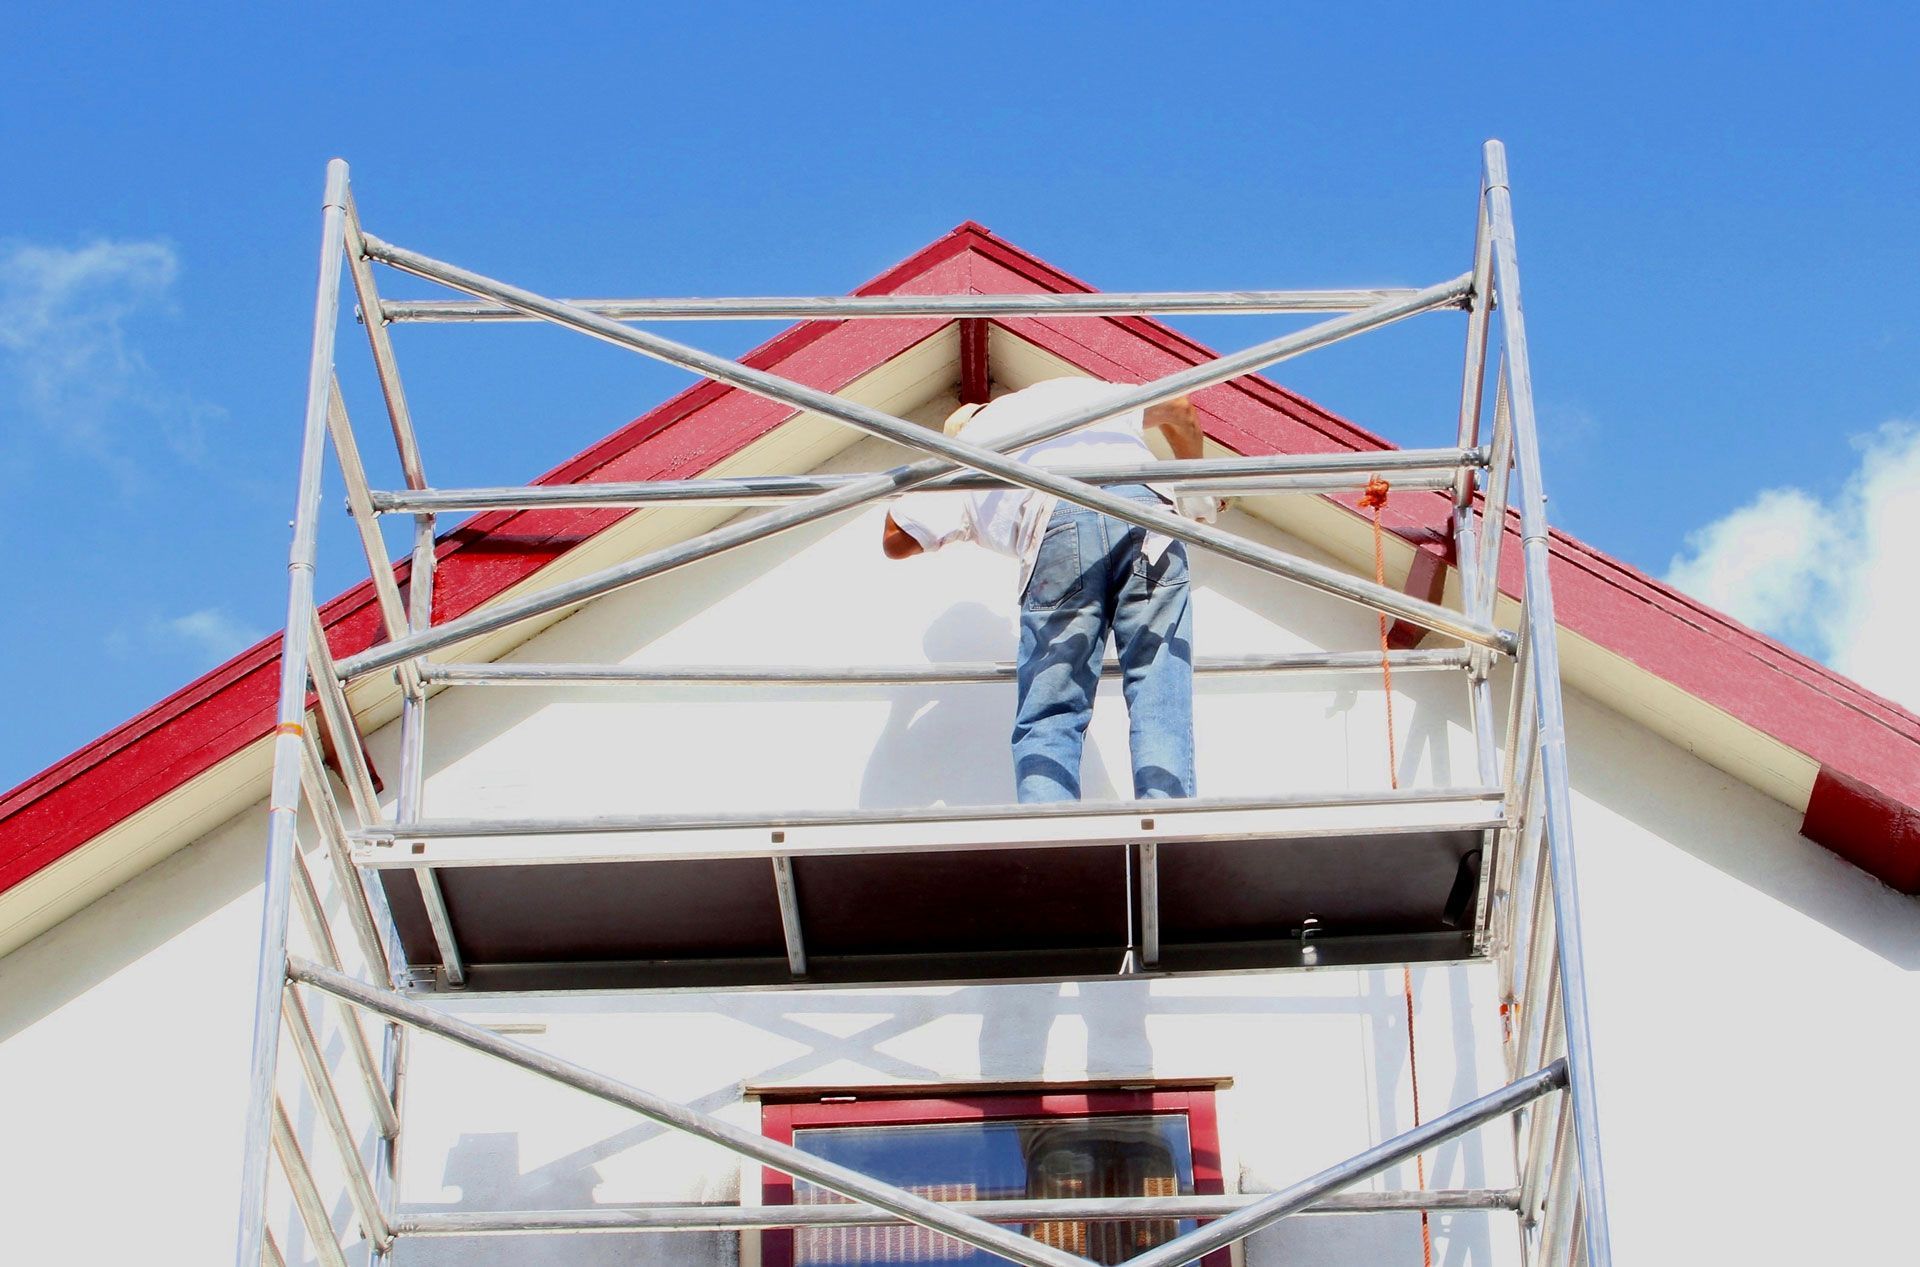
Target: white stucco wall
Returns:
[[1757, 1002]]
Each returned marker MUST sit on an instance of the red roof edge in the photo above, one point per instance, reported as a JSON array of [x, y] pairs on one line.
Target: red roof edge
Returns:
[[1866, 744], [215, 716], [1864, 802], [1866, 827]]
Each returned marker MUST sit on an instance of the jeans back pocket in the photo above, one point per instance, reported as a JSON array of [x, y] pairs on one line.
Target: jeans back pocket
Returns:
[[1057, 571], [1169, 569]]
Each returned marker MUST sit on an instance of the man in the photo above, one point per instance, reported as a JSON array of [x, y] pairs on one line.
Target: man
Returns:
[[1083, 575]]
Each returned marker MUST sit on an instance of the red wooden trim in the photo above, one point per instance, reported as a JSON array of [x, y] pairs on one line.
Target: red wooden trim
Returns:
[[976, 376], [779, 1121], [776, 1187], [1860, 739], [981, 1107], [1203, 1131], [1866, 828]]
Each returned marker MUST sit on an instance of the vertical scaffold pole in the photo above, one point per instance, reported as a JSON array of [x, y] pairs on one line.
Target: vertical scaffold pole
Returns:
[[1551, 709], [1473, 376], [413, 748], [283, 805]]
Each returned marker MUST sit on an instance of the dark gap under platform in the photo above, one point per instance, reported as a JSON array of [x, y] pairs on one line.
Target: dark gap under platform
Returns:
[[972, 915]]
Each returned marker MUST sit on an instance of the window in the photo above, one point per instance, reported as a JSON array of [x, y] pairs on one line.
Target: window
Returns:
[[998, 1147]]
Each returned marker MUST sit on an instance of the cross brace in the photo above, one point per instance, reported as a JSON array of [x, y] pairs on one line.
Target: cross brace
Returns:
[[901, 1203], [951, 455]]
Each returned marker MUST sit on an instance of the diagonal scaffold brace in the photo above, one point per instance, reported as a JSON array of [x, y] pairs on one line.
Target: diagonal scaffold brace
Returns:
[[951, 455], [952, 1221], [1560, 1195]]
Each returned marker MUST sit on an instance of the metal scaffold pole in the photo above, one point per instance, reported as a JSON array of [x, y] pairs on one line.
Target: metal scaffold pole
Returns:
[[845, 307], [1552, 742], [951, 455], [953, 1220], [1526, 916], [283, 805]]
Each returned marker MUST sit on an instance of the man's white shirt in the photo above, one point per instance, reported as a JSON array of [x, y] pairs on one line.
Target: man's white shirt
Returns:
[[1012, 521]]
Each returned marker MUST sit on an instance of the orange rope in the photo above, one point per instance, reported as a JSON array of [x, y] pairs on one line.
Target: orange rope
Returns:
[[1413, 1076], [1375, 499]]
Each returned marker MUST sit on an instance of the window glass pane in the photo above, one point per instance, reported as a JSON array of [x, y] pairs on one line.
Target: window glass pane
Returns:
[[1134, 1156]]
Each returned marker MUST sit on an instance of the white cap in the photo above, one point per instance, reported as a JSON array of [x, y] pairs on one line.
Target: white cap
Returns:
[[960, 418]]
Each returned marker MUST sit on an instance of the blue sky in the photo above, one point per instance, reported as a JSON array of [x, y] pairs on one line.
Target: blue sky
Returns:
[[1716, 208]]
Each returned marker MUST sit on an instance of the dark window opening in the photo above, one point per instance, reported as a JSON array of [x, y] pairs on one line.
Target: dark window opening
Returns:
[[1000, 1147]]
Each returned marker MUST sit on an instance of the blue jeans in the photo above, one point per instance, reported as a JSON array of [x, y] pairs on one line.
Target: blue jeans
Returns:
[[1090, 579]]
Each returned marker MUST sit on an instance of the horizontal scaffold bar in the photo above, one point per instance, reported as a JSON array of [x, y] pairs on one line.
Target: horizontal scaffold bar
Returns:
[[844, 307], [1047, 812], [782, 1157], [741, 1218], [954, 1220], [509, 673], [1219, 477], [952, 455], [974, 828]]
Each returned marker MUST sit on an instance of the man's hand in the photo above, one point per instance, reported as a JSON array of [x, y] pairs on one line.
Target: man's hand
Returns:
[[897, 542], [1179, 423]]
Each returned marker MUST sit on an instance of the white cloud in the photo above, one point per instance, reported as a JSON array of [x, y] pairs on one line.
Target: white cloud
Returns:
[[1836, 576], [69, 366], [1762, 563], [212, 632]]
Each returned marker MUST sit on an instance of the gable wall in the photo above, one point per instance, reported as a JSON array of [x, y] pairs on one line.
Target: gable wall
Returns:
[[1737, 968]]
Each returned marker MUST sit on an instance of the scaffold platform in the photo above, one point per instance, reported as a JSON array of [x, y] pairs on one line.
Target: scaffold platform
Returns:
[[432, 905], [988, 893]]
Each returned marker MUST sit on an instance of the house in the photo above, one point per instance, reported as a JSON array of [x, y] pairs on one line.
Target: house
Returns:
[[1748, 826]]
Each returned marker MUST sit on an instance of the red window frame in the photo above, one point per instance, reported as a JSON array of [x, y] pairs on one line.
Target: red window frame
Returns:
[[779, 1120]]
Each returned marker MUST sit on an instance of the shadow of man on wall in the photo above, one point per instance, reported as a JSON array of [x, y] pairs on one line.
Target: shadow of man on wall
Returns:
[[947, 744]]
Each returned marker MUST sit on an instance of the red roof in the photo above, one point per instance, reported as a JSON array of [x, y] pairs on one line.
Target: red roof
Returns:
[[1865, 804]]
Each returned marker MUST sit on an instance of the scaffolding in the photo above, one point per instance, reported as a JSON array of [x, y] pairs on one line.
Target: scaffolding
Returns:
[[1514, 821]]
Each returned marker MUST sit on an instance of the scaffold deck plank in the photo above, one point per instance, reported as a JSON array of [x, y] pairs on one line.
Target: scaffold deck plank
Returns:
[[951, 898]]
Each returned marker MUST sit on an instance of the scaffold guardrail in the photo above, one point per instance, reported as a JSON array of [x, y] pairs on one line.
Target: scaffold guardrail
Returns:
[[1525, 911]]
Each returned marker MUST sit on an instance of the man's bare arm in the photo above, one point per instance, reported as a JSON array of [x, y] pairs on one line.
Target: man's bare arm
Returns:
[[1175, 419], [1179, 423], [897, 542]]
